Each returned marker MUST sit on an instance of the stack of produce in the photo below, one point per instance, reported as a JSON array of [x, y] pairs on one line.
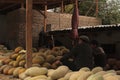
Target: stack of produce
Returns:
[[64, 73], [113, 63], [16, 63]]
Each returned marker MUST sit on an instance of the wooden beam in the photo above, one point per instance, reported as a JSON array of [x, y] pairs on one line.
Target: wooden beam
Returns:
[[12, 1], [62, 6], [96, 8], [45, 18], [29, 32]]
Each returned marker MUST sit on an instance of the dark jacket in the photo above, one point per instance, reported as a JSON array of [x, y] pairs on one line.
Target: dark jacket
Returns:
[[82, 56], [99, 57]]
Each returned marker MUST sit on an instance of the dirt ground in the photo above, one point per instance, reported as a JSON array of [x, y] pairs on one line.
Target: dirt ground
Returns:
[[7, 77]]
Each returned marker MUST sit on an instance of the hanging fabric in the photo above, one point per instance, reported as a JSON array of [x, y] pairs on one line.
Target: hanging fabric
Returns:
[[75, 22]]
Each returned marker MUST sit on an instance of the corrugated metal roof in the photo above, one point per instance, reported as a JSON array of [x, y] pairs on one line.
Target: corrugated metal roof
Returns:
[[91, 27]]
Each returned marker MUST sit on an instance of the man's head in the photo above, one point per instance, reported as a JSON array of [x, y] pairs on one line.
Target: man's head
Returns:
[[94, 43], [84, 38]]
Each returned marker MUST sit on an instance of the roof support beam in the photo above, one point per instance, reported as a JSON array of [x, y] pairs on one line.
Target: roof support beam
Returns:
[[29, 32], [45, 17]]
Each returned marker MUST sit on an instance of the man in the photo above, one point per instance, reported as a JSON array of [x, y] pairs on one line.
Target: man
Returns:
[[98, 53], [81, 53]]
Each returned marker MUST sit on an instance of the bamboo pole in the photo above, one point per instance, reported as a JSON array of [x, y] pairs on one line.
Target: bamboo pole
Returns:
[[29, 33]]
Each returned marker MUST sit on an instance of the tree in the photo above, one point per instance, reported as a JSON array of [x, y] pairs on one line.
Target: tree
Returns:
[[110, 12]]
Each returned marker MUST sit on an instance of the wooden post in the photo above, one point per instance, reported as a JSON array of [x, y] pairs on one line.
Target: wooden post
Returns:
[[29, 33], [62, 6], [96, 8], [45, 18]]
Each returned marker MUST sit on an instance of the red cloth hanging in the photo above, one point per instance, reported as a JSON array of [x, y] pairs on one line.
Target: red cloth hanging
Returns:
[[75, 21]]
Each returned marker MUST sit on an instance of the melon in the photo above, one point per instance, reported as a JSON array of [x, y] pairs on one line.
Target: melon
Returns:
[[111, 78], [35, 71], [84, 76], [50, 58], [7, 61], [2, 68], [6, 69], [22, 76], [40, 77], [20, 57], [11, 63], [67, 76], [59, 72], [17, 49], [21, 70], [85, 69], [22, 63], [36, 65], [38, 60], [11, 70], [15, 64], [47, 65], [95, 77], [14, 56], [97, 69], [76, 75], [50, 72], [15, 72]]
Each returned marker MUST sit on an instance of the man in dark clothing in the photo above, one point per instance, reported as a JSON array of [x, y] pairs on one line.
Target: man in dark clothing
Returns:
[[81, 53], [99, 54]]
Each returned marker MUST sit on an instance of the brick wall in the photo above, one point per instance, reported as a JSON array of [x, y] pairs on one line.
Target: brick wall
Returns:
[[2, 28], [15, 22], [61, 21]]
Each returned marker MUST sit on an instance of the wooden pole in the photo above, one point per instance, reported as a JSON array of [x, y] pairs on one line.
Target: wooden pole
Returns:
[[62, 6], [45, 18], [96, 8], [29, 33]]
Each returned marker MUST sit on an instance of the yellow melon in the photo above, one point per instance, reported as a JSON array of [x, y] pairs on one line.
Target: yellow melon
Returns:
[[38, 60], [7, 61], [20, 57], [22, 76], [21, 70], [59, 72], [15, 64], [67, 76], [40, 77], [17, 49], [10, 71], [22, 63], [15, 72], [6, 69], [47, 65], [97, 69], [84, 76], [14, 56], [36, 65], [50, 58], [85, 69], [11, 63], [2, 68], [35, 71]]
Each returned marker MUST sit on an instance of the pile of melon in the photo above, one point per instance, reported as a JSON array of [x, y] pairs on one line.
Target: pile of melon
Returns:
[[64, 73], [113, 63], [15, 63], [3, 49]]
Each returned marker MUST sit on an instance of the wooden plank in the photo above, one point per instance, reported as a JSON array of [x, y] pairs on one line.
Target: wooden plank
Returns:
[[29, 32]]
